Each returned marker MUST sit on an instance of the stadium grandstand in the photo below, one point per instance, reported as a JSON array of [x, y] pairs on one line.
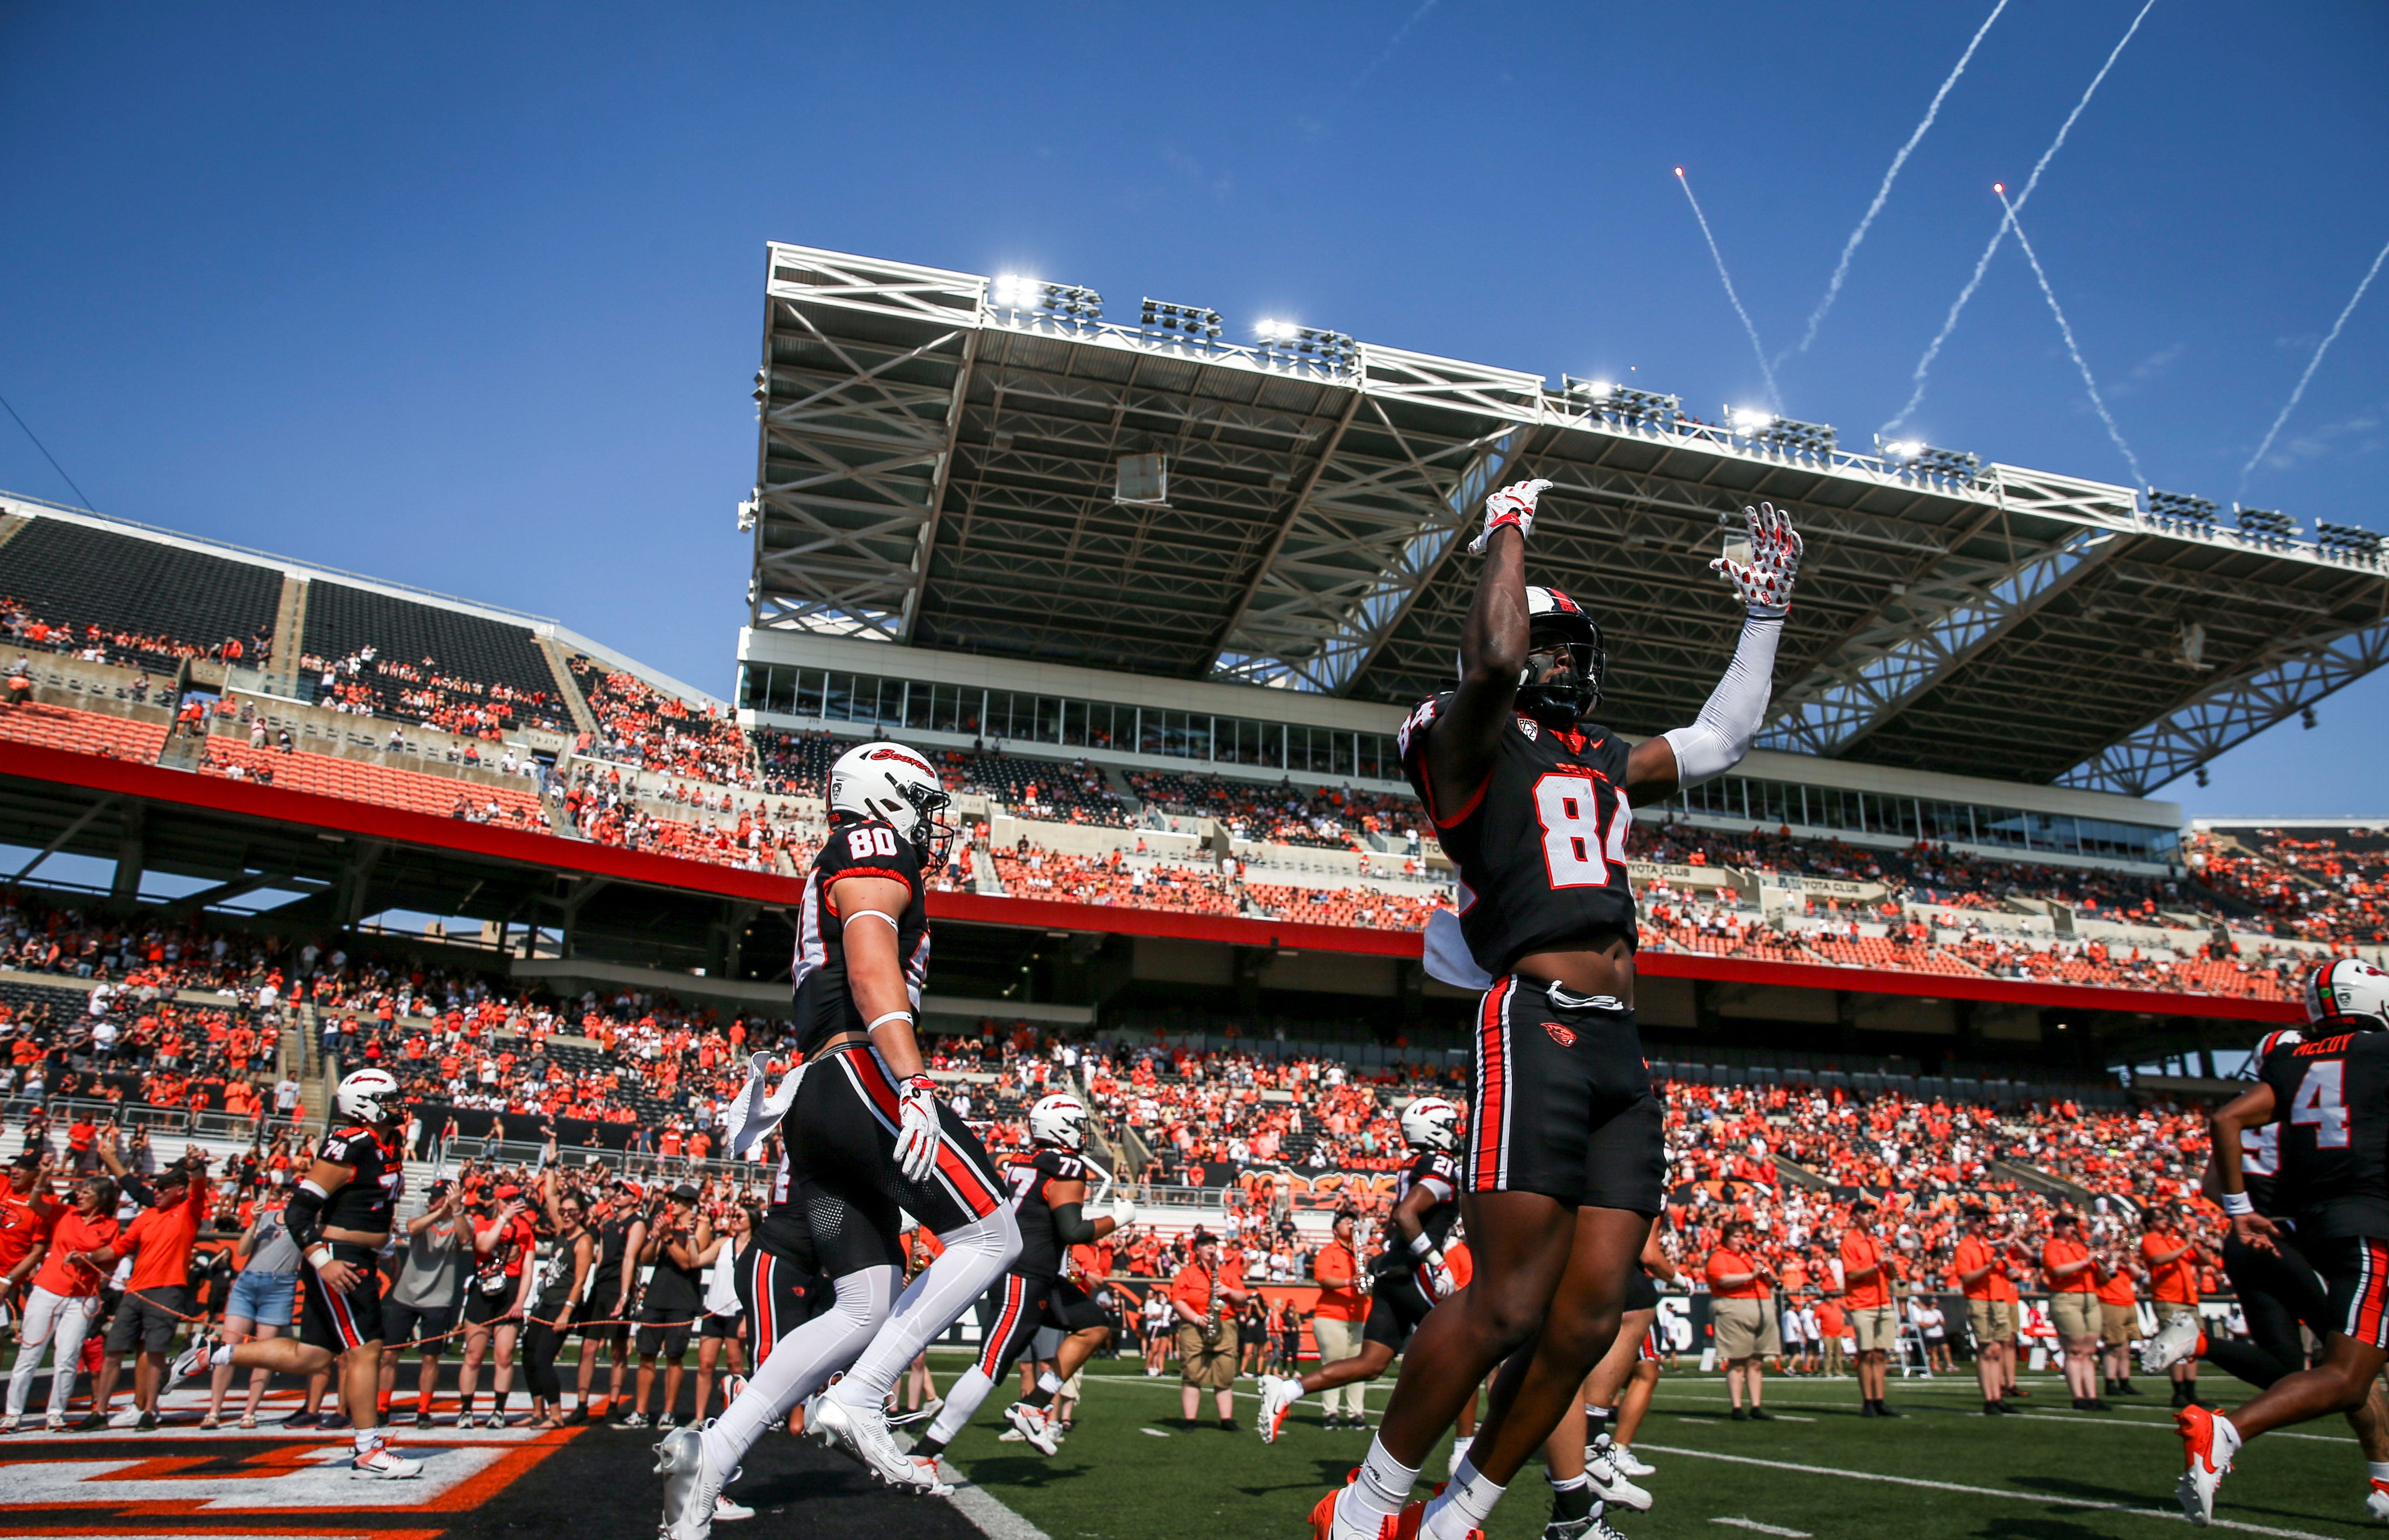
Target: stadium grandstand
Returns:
[[1157, 605]]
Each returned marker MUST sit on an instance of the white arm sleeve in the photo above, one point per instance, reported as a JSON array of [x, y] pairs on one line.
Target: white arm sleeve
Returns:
[[1721, 735]]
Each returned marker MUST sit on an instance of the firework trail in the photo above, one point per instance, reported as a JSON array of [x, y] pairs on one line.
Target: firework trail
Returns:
[[2292, 404], [1924, 364], [2139, 478], [1774, 397], [1849, 247]]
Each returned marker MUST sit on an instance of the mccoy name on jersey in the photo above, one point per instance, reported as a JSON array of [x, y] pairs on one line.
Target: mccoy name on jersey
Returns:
[[2330, 1099], [865, 847], [1542, 843]]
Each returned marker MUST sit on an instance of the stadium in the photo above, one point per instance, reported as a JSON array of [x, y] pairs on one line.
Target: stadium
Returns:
[[1155, 606]]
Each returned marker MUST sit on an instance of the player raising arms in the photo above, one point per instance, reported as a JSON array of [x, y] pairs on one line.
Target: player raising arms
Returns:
[[1564, 1161], [341, 1218], [865, 1135], [2327, 1099], [1049, 1194], [1410, 1273]]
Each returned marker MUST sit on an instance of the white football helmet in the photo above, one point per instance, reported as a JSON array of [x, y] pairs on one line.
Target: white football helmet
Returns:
[[890, 782], [1431, 1123], [369, 1096], [2348, 986], [1058, 1121]]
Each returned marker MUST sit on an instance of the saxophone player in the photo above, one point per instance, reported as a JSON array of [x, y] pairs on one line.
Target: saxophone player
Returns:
[[1206, 1295]]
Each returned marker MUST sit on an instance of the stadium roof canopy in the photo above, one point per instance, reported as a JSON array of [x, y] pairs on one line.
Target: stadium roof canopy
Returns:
[[958, 463]]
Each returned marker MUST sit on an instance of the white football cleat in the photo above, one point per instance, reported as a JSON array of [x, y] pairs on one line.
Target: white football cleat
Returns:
[[691, 1483], [191, 1360], [1609, 1483], [2208, 1442], [380, 1463], [2170, 1346], [863, 1433], [1034, 1428], [1278, 1398], [1623, 1457], [726, 1511], [2376, 1502]]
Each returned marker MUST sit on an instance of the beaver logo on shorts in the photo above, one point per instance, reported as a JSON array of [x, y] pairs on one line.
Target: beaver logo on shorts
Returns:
[[1560, 1034]]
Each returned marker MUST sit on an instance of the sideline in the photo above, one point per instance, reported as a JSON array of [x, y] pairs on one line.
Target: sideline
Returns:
[[985, 1512]]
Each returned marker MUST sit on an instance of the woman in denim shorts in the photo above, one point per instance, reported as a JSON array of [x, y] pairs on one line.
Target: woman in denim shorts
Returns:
[[263, 1297]]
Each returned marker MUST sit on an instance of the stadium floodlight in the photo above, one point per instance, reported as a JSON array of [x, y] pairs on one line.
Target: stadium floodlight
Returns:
[[1586, 390], [2266, 523], [1748, 420], [749, 511], [1284, 342], [1916, 457], [1035, 298], [1790, 436], [2181, 508], [2347, 541], [762, 385], [1195, 324], [1901, 449]]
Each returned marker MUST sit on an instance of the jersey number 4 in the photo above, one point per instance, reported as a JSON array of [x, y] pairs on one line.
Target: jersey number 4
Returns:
[[867, 843], [2319, 1103], [1574, 844]]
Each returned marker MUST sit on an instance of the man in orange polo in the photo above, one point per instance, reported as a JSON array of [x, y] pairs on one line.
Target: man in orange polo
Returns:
[[2119, 1321], [1741, 1315], [1872, 1320], [1980, 1265], [2171, 1258], [1335, 1320], [158, 1296], [2071, 1275], [1206, 1296]]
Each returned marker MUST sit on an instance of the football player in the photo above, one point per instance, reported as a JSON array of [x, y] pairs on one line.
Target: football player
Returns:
[[1532, 800], [866, 1138], [2326, 1100], [1411, 1275], [1049, 1195], [341, 1218]]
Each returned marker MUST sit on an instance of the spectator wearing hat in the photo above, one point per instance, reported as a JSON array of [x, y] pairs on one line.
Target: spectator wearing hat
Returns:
[[1867, 1310], [1980, 1265], [157, 1294], [2073, 1277], [423, 1305], [1335, 1320], [1206, 1296], [1741, 1284]]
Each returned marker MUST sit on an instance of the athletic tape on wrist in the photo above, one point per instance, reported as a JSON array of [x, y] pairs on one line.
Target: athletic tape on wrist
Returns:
[[2237, 1204]]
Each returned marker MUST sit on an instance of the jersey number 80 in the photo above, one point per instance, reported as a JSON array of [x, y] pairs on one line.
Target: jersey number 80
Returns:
[[1574, 844], [867, 843]]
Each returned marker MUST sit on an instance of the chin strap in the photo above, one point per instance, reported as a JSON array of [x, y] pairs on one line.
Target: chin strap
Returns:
[[1721, 735]]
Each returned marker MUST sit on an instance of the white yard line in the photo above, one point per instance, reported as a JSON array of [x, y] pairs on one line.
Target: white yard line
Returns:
[[1756, 1527], [2043, 1499], [985, 1514]]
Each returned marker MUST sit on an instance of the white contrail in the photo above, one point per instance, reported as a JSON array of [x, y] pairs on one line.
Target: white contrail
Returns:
[[2292, 404], [1391, 44], [1924, 364], [2139, 478], [1849, 247], [1774, 397]]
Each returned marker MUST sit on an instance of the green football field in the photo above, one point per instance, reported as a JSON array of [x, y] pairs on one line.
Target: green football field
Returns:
[[1129, 1472]]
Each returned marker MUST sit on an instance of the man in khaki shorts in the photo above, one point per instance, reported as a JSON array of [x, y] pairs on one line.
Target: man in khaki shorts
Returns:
[[1206, 1293], [1335, 1321], [2073, 1279], [1866, 1306], [1742, 1312], [1981, 1266]]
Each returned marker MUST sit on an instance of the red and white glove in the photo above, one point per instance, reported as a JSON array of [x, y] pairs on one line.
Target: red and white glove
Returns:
[[1765, 582], [916, 1131], [1512, 505], [1434, 1277]]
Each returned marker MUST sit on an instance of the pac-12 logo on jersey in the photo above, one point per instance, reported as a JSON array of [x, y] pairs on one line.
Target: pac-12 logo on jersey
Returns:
[[1415, 721], [1528, 726]]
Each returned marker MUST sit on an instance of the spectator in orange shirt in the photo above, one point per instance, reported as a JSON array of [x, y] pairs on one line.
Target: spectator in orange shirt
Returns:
[[2172, 1261], [1336, 1320], [1866, 1306], [1741, 1294], [1980, 1265], [2119, 1321], [2073, 1279], [1206, 1358], [158, 1296]]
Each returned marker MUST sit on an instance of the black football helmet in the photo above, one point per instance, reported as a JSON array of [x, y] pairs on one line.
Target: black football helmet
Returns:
[[1558, 626]]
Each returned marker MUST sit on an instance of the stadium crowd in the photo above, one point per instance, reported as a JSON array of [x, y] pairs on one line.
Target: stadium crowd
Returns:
[[2332, 889]]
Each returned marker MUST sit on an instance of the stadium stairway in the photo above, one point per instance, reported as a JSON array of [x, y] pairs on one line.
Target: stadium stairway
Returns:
[[289, 630], [584, 719]]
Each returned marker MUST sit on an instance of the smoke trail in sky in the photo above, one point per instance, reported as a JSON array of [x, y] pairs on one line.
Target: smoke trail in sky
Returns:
[[1932, 350], [1849, 249], [1391, 44], [2139, 478], [1774, 397], [2292, 404]]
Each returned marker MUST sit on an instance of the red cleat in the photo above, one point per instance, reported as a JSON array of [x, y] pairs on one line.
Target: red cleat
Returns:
[[1403, 1526]]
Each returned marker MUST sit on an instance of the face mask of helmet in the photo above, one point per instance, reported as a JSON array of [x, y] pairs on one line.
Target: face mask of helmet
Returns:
[[1563, 697], [933, 836]]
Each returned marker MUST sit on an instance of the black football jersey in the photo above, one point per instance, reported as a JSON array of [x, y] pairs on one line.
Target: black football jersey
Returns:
[[867, 847], [1027, 1176], [365, 1201], [1541, 845], [1440, 1173], [2331, 1105], [2260, 1150]]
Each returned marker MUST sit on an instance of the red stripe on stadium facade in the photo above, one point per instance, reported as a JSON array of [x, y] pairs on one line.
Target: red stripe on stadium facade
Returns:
[[553, 852]]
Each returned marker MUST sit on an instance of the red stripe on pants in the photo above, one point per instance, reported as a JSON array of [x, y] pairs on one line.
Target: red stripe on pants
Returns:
[[976, 1195], [1492, 1087], [759, 1282], [990, 1355]]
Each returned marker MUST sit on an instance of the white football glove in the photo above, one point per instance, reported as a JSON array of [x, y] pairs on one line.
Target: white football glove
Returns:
[[917, 1133], [1123, 1213], [1765, 583], [1512, 505], [1436, 1277]]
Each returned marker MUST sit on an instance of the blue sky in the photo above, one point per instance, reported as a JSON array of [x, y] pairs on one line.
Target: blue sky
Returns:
[[469, 296]]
